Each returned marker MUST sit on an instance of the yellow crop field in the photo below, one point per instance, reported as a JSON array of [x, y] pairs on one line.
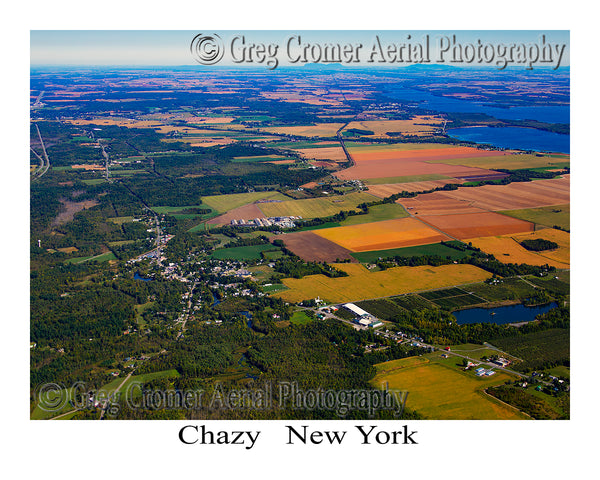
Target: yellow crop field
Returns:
[[400, 232], [361, 284], [421, 125], [441, 392], [507, 249], [316, 207], [224, 203]]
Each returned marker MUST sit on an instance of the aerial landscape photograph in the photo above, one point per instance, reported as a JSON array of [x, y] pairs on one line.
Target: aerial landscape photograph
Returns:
[[301, 226]]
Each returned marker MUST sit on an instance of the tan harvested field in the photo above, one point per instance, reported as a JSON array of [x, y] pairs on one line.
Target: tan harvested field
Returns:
[[402, 232], [436, 203], [94, 166], [387, 189], [427, 152], [518, 195], [507, 248], [421, 125], [470, 225], [538, 193], [319, 130], [69, 209], [325, 153], [247, 212], [361, 284], [314, 248]]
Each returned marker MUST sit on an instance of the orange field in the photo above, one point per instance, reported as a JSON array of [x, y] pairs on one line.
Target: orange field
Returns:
[[385, 162], [470, 225], [507, 248], [402, 232]]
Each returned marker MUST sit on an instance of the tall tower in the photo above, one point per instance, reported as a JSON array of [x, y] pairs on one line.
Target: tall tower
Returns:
[[40, 243]]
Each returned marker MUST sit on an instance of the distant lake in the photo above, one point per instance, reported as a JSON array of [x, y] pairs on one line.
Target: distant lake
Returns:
[[503, 315], [514, 137], [427, 101]]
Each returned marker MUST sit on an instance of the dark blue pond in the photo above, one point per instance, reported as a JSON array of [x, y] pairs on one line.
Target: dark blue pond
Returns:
[[501, 315], [550, 114], [136, 276], [515, 137]]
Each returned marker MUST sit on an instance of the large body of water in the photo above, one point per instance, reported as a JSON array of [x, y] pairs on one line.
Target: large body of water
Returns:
[[515, 137], [502, 315], [550, 114]]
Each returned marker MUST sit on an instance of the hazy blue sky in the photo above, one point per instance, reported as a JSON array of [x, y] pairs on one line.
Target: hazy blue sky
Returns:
[[163, 47]]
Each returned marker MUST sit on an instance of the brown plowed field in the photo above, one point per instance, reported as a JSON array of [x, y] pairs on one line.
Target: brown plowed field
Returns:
[[247, 212], [470, 225], [437, 203], [517, 195], [314, 248], [513, 196], [387, 189]]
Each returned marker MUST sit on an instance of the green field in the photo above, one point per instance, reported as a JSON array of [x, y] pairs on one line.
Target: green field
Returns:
[[264, 158], [559, 215], [276, 287], [512, 162], [103, 257], [508, 289], [167, 210], [224, 203], [412, 302], [377, 213], [383, 309], [316, 207], [452, 298], [300, 318], [406, 179], [319, 227], [431, 249], [242, 253], [537, 349], [120, 220], [441, 391]]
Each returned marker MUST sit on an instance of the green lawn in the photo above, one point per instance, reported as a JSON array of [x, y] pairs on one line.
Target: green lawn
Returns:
[[377, 213], [559, 215], [300, 318], [103, 257]]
